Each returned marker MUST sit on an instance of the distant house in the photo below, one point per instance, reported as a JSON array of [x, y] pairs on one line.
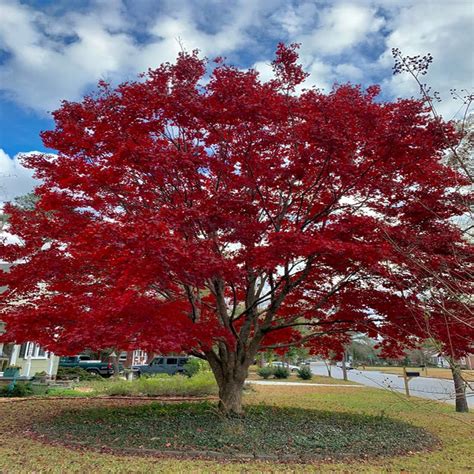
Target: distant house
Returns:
[[30, 357], [439, 360], [136, 357], [467, 362]]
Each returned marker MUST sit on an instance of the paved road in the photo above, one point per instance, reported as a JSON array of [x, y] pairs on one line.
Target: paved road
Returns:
[[299, 384], [424, 387]]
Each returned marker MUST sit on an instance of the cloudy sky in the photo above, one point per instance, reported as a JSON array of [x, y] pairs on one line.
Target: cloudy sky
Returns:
[[58, 49]]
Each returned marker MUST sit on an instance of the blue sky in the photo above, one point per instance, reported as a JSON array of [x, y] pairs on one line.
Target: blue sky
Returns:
[[53, 50]]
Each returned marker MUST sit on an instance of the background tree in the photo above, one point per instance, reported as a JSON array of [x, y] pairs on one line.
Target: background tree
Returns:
[[226, 217], [443, 281], [362, 350]]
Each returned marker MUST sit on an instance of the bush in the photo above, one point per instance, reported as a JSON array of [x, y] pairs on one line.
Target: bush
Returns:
[[18, 390], [281, 373], [192, 367], [71, 373], [266, 372], [305, 373], [195, 365], [160, 385]]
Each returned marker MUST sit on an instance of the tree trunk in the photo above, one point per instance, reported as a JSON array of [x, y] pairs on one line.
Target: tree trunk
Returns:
[[230, 373], [344, 368], [328, 367], [116, 366], [115, 362], [230, 397], [460, 388]]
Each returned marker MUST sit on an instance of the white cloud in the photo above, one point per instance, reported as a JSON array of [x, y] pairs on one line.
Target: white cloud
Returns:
[[321, 75], [296, 19], [265, 70], [349, 71], [341, 27], [325, 32], [15, 179], [60, 57], [53, 59], [45, 67], [444, 29]]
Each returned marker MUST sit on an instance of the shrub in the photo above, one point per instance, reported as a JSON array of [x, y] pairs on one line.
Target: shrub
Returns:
[[305, 373], [201, 384], [192, 367], [18, 390], [281, 373], [265, 372], [70, 373]]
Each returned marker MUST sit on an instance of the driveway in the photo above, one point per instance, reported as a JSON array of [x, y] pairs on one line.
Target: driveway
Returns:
[[424, 387]]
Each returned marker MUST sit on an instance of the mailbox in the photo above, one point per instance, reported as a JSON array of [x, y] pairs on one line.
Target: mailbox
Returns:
[[412, 374]]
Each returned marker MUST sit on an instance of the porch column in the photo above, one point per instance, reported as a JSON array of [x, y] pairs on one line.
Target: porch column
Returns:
[[14, 356], [50, 364], [28, 366]]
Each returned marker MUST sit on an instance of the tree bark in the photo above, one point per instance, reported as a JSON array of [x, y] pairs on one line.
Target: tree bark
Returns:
[[344, 368], [460, 388], [328, 367], [230, 372], [230, 397]]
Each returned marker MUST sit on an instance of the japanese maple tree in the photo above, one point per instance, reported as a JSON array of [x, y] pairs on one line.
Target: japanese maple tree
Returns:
[[224, 215]]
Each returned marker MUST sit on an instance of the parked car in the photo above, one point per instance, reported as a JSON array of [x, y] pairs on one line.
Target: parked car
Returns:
[[162, 365], [105, 369], [348, 365], [291, 368]]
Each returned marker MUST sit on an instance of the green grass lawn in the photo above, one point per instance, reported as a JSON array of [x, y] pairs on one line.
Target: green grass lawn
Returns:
[[20, 452]]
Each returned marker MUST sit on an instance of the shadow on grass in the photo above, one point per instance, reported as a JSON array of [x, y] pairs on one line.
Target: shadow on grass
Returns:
[[266, 432]]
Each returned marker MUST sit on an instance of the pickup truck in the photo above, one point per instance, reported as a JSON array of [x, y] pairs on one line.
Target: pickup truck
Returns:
[[105, 369], [162, 365]]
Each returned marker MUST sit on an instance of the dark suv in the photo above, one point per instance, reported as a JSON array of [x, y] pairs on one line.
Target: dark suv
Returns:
[[162, 365]]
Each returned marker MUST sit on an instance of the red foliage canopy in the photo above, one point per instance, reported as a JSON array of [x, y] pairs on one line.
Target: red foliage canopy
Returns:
[[232, 215]]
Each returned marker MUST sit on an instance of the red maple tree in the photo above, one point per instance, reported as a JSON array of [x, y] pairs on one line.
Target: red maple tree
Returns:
[[226, 216]]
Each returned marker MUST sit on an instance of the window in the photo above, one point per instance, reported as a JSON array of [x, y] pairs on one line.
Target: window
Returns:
[[33, 350], [171, 361], [182, 361], [158, 361], [139, 357], [23, 349]]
